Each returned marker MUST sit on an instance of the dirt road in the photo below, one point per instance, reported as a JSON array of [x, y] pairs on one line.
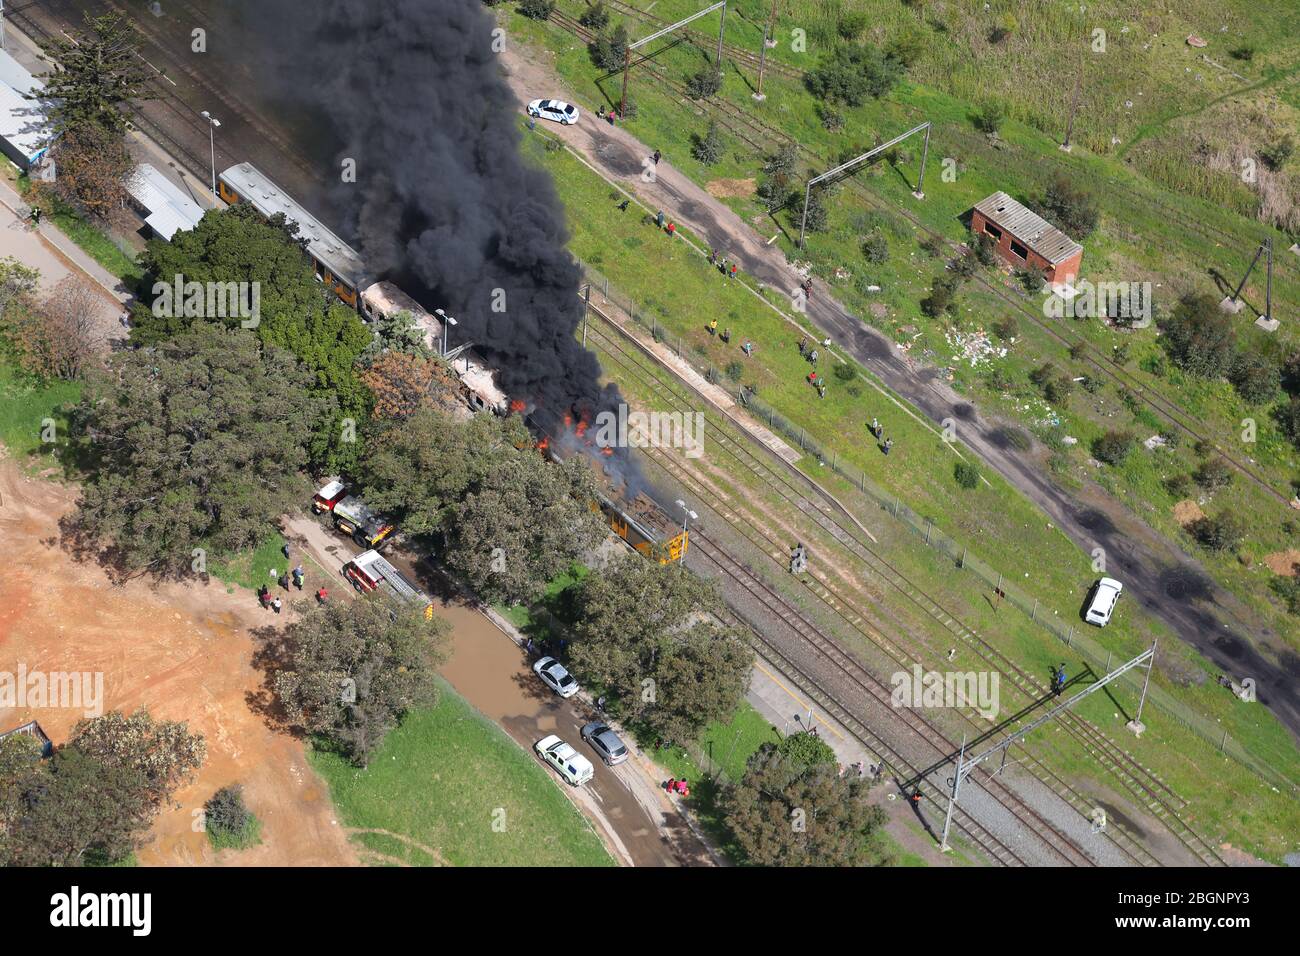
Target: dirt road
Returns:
[[183, 652], [1168, 582], [639, 824]]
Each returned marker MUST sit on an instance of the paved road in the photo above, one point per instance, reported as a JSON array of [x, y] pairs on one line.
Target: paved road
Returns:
[[636, 819], [1167, 581]]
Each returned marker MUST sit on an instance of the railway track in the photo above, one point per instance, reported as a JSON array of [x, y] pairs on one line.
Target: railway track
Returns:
[[977, 141], [763, 137], [802, 493]]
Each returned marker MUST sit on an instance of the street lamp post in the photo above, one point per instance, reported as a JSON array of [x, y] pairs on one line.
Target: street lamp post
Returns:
[[213, 123], [687, 513], [446, 321]]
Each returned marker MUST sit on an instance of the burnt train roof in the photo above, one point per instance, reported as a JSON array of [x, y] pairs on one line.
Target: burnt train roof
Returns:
[[325, 246]]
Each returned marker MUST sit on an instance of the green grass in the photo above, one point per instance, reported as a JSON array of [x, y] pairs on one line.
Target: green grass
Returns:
[[94, 241], [442, 779], [26, 404], [1144, 236], [252, 569]]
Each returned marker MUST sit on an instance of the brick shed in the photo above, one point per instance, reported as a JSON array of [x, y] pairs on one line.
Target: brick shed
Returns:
[[1025, 238]]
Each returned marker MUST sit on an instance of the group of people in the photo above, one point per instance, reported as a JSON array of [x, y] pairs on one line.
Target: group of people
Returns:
[[677, 786], [607, 115], [879, 431], [725, 336], [811, 355], [727, 268]]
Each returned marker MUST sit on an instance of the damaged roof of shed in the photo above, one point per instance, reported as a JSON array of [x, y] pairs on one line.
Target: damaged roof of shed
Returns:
[[1029, 227]]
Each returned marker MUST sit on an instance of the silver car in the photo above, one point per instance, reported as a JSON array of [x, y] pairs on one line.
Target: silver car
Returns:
[[605, 742]]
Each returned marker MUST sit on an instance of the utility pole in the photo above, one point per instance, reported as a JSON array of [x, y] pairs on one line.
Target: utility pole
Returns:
[[2, 25], [956, 786], [769, 32], [213, 123], [1078, 88], [722, 29], [627, 66]]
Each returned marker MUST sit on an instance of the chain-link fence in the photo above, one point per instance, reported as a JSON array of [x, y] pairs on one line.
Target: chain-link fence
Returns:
[[600, 291]]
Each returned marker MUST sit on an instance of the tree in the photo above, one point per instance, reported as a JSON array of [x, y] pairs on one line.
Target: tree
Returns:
[[396, 332], [906, 48], [942, 297], [1276, 153], [164, 752], [609, 50], [704, 84], [708, 148], [75, 810], [651, 634], [967, 475], [95, 169], [852, 73], [1199, 337], [17, 284], [97, 73], [356, 668], [295, 312], [399, 383], [787, 813], [1113, 447], [419, 468], [1071, 209], [536, 9], [1255, 377], [595, 16], [807, 750], [61, 336], [96, 799], [522, 524], [197, 444], [816, 217]]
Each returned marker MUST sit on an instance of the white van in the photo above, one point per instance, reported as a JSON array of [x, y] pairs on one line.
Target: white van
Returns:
[[1105, 595]]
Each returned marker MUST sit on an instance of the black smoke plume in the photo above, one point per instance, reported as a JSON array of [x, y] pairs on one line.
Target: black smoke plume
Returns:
[[443, 203]]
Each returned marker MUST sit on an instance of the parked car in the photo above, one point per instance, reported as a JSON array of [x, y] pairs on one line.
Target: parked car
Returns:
[[1101, 601], [557, 111], [554, 676], [605, 742], [571, 765]]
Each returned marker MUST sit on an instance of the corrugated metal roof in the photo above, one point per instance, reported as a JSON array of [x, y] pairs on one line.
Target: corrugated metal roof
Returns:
[[22, 121], [1029, 227], [269, 199], [167, 209]]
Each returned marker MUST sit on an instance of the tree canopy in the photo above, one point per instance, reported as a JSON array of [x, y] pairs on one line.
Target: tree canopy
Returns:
[[524, 521], [196, 443], [97, 74], [648, 633], [355, 668], [295, 312], [1199, 336], [791, 809]]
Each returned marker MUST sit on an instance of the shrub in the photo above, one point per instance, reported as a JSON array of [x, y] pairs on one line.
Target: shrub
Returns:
[[852, 74], [1246, 53], [990, 117], [1213, 474], [1113, 447], [1288, 419], [906, 48], [1179, 485], [536, 9], [708, 148], [1276, 153], [1199, 337], [734, 370], [875, 247], [933, 244], [845, 372], [1006, 328], [227, 821], [1255, 377], [1031, 279], [941, 298], [1222, 532], [832, 120], [595, 16], [1071, 209], [967, 475], [985, 250], [851, 25], [704, 84]]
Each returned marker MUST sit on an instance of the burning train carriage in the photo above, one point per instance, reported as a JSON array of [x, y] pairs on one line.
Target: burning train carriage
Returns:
[[342, 270]]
